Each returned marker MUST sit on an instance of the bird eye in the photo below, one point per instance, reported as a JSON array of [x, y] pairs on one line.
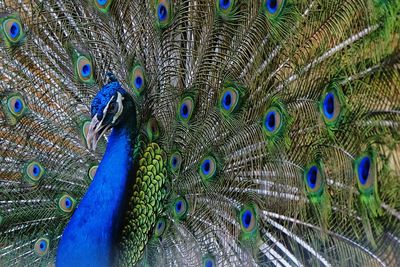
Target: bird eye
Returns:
[[42, 246], [112, 108]]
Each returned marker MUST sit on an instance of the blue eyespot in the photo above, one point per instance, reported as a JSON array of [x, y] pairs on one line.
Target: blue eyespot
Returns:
[[270, 121], [162, 12], [184, 111], [246, 218], [68, 203], [206, 166], [227, 100], [161, 225], [180, 208], [272, 6], [86, 70], [224, 4], [36, 170], [209, 263], [312, 177], [364, 169], [41, 246], [138, 82], [102, 2], [175, 162], [329, 105], [18, 105], [14, 30]]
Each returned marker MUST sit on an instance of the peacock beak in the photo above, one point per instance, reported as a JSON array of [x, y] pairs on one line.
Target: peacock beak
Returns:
[[96, 131]]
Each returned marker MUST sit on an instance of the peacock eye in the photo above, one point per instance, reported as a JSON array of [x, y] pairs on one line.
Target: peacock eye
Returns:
[[229, 100], [66, 203], [152, 129], [272, 121], [175, 162], [137, 79], [85, 130], [313, 180], [185, 109], [13, 30], [163, 12], [84, 68], [41, 246], [248, 220], [160, 227], [16, 105], [365, 170], [112, 108], [103, 5], [92, 171], [273, 7], [330, 107], [180, 208], [208, 168], [34, 171]]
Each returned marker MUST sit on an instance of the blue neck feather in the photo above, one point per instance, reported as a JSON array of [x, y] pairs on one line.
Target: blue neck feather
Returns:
[[91, 236]]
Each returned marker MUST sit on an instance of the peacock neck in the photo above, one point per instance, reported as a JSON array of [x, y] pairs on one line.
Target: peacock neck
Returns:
[[91, 236]]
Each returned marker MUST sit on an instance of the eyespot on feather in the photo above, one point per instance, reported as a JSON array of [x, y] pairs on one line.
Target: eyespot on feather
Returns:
[[272, 8], [66, 203], [185, 109], [84, 68], [180, 208], [137, 79], [12, 29], [175, 162], [208, 168], [42, 246], [163, 13], [103, 5], [33, 172]]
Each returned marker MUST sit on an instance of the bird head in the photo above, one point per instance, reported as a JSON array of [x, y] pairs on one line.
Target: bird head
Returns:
[[109, 109]]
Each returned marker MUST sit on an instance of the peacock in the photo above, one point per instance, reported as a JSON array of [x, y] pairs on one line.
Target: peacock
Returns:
[[199, 133]]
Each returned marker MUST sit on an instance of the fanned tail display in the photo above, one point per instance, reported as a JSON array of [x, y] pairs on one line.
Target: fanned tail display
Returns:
[[200, 133]]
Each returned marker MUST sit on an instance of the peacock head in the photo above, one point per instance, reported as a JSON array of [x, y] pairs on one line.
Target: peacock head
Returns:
[[110, 109]]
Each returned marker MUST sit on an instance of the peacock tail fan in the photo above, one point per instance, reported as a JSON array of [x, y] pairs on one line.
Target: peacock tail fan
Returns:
[[268, 130]]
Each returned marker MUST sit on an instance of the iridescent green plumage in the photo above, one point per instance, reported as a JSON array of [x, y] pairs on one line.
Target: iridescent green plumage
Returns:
[[267, 131]]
